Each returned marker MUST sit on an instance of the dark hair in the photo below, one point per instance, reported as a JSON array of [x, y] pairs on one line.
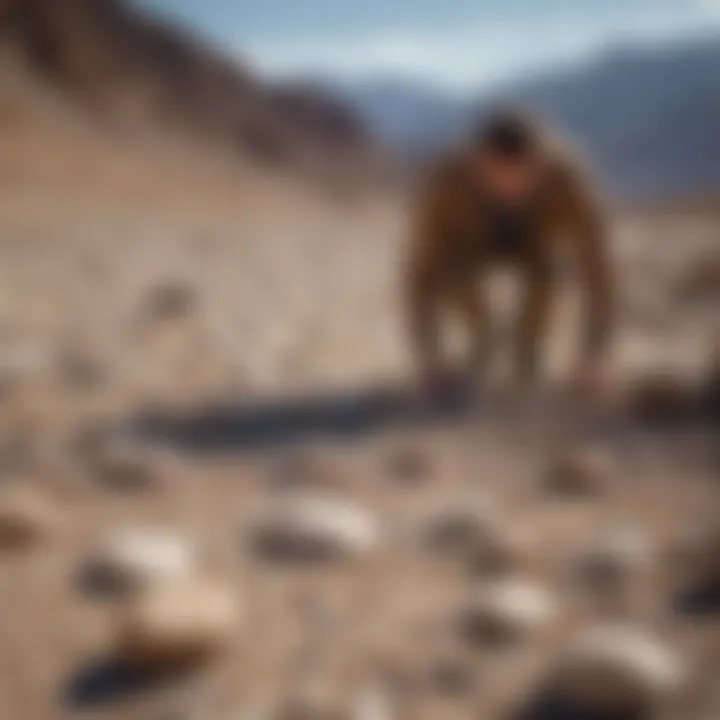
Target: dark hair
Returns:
[[511, 134]]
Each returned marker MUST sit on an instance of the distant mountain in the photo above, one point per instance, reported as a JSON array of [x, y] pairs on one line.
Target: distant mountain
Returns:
[[647, 116], [407, 115], [132, 71]]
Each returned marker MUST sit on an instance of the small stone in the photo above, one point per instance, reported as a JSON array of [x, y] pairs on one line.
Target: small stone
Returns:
[[662, 398], [133, 558], [27, 516], [304, 470], [580, 471], [618, 672], [508, 611], [316, 529], [480, 537], [177, 624], [618, 556], [458, 531], [126, 464]]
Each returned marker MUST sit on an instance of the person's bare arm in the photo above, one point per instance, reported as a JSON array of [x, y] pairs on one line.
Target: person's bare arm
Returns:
[[426, 272], [591, 237]]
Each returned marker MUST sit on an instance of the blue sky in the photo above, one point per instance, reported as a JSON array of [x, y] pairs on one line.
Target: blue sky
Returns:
[[459, 43]]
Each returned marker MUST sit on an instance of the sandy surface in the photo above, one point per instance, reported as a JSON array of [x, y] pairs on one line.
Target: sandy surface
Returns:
[[287, 306]]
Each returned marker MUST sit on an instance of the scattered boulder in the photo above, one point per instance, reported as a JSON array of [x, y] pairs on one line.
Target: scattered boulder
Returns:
[[616, 672], [27, 516], [579, 472], [131, 559], [508, 611], [310, 529], [176, 624]]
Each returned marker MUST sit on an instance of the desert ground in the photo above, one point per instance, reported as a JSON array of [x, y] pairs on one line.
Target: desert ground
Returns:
[[196, 361]]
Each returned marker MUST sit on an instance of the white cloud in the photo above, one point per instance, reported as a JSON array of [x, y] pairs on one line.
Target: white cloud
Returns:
[[479, 55]]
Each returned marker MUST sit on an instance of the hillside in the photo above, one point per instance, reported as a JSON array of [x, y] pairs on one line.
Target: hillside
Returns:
[[647, 115], [136, 75]]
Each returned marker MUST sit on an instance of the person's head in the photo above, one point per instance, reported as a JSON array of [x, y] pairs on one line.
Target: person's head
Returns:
[[507, 156]]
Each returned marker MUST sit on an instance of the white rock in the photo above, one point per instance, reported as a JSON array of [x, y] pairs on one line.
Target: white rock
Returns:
[[134, 558], [316, 528], [509, 610], [618, 669], [177, 623]]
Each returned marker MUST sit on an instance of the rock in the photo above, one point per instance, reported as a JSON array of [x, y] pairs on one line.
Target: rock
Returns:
[[662, 397], [316, 529], [508, 611], [580, 471], [133, 558], [27, 516], [459, 530], [616, 558], [617, 671], [176, 624], [126, 464], [480, 537]]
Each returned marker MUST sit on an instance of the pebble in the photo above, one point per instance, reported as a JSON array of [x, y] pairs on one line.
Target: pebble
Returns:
[[508, 611], [130, 559], [177, 624], [315, 529]]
